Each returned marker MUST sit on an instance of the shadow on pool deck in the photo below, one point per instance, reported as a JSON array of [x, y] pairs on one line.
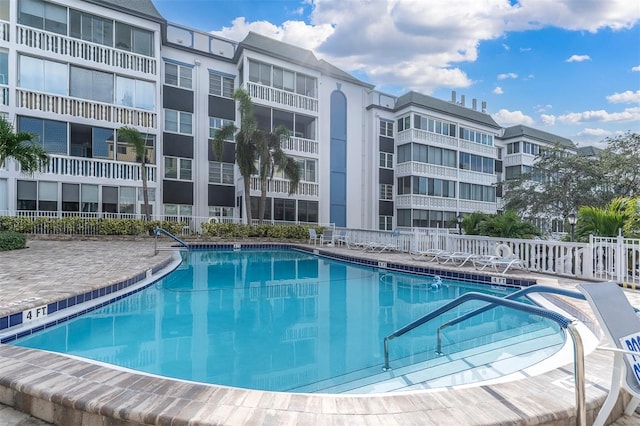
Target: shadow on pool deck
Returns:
[[66, 391]]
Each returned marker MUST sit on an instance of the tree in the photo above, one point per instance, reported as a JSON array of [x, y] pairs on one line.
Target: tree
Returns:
[[134, 139], [557, 185], [622, 214], [252, 146], [21, 147], [504, 225], [621, 162]]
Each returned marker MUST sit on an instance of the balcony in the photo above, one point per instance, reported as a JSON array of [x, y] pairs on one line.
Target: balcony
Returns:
[[518, 160], [295, 145], [415, 168], [80, 49], [427, 202], [102, 169], [75, 107], [281, 187], [448, 142], [278, 97]]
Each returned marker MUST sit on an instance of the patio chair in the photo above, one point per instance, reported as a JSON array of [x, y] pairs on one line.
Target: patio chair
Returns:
[[428, 255], [503, 261], [341, 238], [313, 236], [457, 258], [375, 246], [327, 237], [621, 325]]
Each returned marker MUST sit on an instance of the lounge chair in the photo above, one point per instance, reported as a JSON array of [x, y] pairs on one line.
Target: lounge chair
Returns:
[[376, 246], [313, 236], [457, 258], [503, 261], [429, 254], [621, 325]]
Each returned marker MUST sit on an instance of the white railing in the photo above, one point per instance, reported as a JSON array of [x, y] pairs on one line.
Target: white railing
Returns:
[[86, 109], [449, 142], [298, 145], [75, 48], [426, 169], [261, 92], [486, 150], [4, 31], [426, 201], [4, 95], [616, 258], [518, 159], [281, 186], [104, 169]]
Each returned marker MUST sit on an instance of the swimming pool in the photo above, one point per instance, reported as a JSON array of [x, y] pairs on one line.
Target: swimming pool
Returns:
[[287, 320]]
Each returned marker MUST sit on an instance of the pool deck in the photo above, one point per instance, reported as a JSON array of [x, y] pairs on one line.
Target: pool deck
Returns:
[[65, 391]]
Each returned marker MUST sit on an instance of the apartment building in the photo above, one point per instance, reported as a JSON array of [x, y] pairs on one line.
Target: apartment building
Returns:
[[74, 72]]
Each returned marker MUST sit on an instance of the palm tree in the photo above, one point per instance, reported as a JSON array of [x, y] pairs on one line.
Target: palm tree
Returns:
[[253, 146], [21, 147], [134, 139]]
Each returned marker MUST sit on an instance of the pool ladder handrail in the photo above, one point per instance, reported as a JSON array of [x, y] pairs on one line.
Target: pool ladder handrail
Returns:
[[515, 295], [160, 230], [569, 324]]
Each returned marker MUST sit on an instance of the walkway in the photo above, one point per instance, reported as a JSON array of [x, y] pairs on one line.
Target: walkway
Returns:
[[52, 270]]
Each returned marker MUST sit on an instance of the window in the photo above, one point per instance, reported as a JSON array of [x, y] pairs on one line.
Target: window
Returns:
[[221, 211], [386, 160], [404, 185], [470, 191], [308, 211], [477, 163], [89, 198], [43, 76], [282, 79], [218, 123], [220, 85], [221, 173], [135, 93], [177, 168], [91, 142], [70, 197], [178, 75], [284, 209], [386, 191], [530, 148], [127, 200], [177, 210], [476, 136], [513, 148], [404, 153], [404, 123], [134, 39], [52, 135], [91, 84], [43, 15], [151, 193], [307, 170], [27, 195], [386, 128], [177, 121], [385, 223], [4, 10], [85, 26], [4, 70]]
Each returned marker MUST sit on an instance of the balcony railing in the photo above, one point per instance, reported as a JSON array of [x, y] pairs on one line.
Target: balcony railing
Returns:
[[281, 186], [74, 48], [4, 31], [435, 139], [415, 168], [281, 97], [519, 159], [86, 109], [297, 145], [103, 169], [430, 202]]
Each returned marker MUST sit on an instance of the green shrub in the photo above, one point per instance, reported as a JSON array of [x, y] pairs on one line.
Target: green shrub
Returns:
[[12, 240], [240, 230]]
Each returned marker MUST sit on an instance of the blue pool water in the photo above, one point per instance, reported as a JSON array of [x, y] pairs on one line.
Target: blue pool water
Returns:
[[287, 320]]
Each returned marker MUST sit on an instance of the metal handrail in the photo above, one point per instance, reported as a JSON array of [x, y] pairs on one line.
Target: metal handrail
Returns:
[[515, 295], [159, 230], [563, 322]]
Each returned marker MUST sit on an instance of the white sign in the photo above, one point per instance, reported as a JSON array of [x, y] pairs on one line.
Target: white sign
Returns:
[[632, 343], [34, 313]]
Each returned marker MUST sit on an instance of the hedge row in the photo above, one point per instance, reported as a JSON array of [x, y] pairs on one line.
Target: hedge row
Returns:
[[239, 230], [83, 226]]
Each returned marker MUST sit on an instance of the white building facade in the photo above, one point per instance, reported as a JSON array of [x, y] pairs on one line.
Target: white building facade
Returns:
[[74, 72]]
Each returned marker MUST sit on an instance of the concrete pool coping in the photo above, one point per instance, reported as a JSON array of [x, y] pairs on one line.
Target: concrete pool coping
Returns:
[[67, 391]]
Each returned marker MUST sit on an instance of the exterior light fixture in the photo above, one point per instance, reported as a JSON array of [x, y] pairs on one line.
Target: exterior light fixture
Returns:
[[572, 219]]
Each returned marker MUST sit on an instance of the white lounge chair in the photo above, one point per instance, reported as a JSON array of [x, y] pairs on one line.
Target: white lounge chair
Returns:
[[376, 246], [503, 261], [429, 254], [621, 325], [457, 258]]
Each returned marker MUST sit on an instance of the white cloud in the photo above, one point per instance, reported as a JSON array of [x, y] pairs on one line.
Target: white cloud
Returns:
[[594, 132], [542, 108], [578, 58], [506, 47], [420, 45], [628, 115], [507, 75], [507, 118], [548, 119], [525, 49], [636, 68], [625, 97], [498, 90]]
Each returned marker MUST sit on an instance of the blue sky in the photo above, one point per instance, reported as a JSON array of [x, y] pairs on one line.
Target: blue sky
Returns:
[[567, 67]]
